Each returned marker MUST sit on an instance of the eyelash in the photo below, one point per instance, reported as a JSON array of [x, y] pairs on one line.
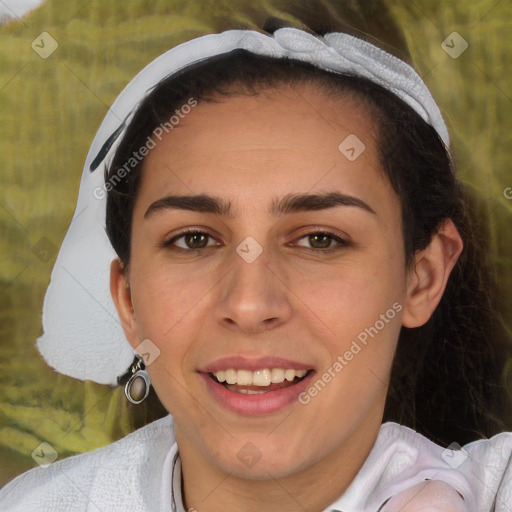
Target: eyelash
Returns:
[[341, 242]]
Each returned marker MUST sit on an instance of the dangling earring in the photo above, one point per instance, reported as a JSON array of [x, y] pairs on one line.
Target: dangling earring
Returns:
[[136, 381]]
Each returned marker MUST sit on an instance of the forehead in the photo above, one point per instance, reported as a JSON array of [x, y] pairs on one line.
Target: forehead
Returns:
[[280, 141]]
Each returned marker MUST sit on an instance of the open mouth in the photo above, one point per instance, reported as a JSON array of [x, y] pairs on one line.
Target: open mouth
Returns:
[[260, 381]]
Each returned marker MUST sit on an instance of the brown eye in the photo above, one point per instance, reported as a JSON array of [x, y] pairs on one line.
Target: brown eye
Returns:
[[322, 241], [195, 240], [190, 241]]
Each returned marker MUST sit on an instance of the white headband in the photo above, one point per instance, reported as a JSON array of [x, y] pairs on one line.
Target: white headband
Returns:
[[82, 335]]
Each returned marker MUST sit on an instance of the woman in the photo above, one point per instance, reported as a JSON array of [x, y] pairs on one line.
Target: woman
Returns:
[[287, 226]]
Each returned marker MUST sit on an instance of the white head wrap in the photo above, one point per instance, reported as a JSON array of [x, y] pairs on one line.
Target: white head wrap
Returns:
[[82, 335]]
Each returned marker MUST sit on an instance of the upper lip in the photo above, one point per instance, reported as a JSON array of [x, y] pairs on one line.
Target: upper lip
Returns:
[[252, 364]]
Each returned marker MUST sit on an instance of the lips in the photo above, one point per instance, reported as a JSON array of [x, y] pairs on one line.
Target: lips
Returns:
[[256, 386]]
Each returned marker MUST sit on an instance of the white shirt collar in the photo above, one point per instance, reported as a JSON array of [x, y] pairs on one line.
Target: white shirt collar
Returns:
[[399, 459]]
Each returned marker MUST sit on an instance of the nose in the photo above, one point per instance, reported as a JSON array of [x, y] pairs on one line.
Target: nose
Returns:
[[254, 296]]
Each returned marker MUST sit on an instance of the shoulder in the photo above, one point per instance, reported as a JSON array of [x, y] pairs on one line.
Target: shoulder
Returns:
[[480, 471], [110, 478]]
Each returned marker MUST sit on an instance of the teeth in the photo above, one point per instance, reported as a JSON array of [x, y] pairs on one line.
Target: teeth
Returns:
[[244, 377], [263, 377], [289, 375], [231, 376], [277, 375]]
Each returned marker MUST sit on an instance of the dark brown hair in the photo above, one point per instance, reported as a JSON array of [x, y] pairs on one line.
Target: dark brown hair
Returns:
[[446, 379]]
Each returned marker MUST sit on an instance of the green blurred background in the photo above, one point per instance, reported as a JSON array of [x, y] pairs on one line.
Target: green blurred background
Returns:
[[51, 108]]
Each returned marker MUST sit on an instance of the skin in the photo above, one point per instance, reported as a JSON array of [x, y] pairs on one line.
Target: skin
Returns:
[[291, 302]]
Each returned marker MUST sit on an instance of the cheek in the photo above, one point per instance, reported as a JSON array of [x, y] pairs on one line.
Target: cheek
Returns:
[[164, 296], [172, 304], [168, 309], [360, 307], [352, 296]]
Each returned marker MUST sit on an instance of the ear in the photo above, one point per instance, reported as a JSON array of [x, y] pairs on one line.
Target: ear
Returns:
[[427, 280], [121, 295]]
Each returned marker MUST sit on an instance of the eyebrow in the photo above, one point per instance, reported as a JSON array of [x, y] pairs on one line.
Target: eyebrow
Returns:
[[291, 203]]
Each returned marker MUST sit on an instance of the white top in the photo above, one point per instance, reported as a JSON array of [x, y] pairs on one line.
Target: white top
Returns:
[[142, 473]]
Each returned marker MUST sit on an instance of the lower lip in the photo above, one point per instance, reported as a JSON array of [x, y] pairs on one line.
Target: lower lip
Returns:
[[258, 404]]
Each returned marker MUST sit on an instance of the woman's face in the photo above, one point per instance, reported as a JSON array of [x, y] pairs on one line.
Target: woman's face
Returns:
[[305, 274]]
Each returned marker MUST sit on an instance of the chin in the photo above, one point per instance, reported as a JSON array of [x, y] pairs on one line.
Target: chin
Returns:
[[264, 463]]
